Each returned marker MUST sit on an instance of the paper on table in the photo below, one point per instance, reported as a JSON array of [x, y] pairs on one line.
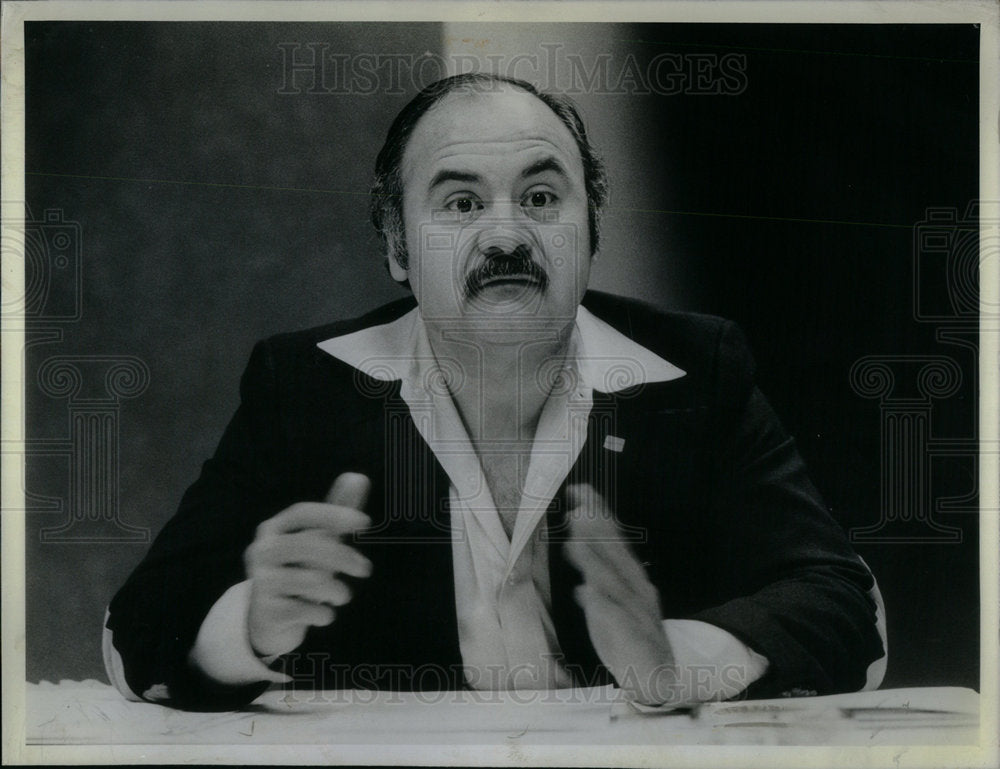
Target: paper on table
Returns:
[[943, 706], [937, 716]]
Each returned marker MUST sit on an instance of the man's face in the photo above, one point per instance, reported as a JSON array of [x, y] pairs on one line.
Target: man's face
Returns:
[[495, 211]]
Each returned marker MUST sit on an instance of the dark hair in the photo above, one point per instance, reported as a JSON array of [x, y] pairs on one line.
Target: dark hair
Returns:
[[387, 188]]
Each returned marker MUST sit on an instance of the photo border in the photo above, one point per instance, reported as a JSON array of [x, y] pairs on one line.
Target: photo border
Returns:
[[983, 12]]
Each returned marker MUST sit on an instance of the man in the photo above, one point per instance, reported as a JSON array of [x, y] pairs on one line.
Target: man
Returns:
[[527, 491]]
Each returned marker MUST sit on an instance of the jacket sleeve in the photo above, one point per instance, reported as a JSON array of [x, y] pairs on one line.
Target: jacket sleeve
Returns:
[[154, 619], [803, 598]]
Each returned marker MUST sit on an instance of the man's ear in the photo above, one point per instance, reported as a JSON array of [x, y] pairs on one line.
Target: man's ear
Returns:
[[396, 270]]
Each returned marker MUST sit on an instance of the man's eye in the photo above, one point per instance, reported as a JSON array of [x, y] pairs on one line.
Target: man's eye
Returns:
[[464, 205], [539, 199]]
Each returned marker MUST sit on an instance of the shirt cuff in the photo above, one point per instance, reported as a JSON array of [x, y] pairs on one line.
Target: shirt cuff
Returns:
[[876, 671], [113, 664], [713, 664], [222, 649]]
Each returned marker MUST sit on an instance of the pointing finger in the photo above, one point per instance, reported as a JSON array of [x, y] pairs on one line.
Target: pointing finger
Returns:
[[582, 495], [349, 490], [315, 515], [305, 550]]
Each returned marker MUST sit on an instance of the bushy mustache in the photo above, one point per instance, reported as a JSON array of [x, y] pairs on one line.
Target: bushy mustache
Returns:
[[505, 264]]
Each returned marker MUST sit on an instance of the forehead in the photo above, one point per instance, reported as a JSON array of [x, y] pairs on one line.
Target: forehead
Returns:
[[467, 126]]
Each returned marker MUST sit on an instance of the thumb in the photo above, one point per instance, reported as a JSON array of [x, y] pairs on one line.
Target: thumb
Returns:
[[349, 490], [580, 495], [587, 513]]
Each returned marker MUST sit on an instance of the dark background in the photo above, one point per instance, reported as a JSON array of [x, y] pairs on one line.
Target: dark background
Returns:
[[213, 211]]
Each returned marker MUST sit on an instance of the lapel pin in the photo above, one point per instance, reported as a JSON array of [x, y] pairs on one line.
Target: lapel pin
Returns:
[[614, 443]]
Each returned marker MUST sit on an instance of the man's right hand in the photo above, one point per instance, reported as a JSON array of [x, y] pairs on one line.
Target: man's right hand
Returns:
[[294, 563]]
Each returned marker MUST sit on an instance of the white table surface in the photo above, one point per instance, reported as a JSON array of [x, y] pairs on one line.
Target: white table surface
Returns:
[[92, 713]]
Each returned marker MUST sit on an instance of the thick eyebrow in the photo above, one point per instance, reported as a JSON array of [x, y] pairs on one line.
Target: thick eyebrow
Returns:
[[446, 175], [538, 167], [545, 164]]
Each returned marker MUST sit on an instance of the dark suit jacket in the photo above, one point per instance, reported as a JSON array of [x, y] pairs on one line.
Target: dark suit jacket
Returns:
[[709, 487]]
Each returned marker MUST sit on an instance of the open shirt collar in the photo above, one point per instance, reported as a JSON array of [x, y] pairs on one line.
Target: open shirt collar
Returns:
[[603, 358]]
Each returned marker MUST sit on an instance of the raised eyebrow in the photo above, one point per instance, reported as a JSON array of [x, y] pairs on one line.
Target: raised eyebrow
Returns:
[[543, 165], [448, 175]]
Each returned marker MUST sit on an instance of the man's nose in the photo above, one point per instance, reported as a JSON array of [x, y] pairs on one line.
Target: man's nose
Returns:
[[494, 252], [503, 226]]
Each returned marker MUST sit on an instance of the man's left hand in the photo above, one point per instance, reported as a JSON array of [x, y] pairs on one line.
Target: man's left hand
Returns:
[[621, 605]]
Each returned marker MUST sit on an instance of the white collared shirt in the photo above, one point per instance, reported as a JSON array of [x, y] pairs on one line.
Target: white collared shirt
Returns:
[[503, 597], [502, 592]]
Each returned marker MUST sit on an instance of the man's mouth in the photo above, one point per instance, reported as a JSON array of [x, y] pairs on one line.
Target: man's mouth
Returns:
[[503, 280]]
